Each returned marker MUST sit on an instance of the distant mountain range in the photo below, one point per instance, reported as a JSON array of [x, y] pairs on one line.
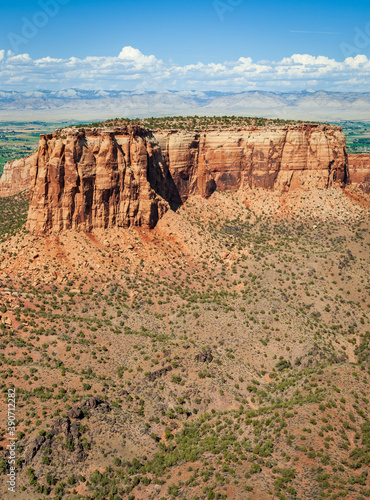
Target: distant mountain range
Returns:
[[83, 105]]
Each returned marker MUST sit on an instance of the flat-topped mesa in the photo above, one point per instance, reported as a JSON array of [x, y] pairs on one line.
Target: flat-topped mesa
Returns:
[[89, 178], [123, 176], [279, 158]]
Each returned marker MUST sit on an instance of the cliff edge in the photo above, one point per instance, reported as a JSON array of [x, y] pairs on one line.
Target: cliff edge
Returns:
[[278, 158], [104, 177], [86, 179]]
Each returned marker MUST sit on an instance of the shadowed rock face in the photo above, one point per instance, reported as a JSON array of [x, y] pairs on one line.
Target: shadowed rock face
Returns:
[[100, 178], [359, 171], [282, 158]]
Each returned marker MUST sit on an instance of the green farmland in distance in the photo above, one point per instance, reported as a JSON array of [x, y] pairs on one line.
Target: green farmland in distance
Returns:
[[19, 139]]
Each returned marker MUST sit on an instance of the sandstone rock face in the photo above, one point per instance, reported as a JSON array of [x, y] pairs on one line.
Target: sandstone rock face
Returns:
[[284, 158], [97, 179], [359, 171], [16, 176]]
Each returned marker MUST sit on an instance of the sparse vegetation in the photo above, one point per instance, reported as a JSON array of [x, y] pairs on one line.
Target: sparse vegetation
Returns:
[[226, 350], [193, 122]]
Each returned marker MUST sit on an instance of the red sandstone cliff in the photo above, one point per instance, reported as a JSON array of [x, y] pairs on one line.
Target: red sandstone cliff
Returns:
[[281, 158], [98, 178], [16, 176], [359, 171]]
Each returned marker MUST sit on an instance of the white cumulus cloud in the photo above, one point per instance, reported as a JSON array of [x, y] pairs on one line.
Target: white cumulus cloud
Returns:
[[133, 70], [134, 55]]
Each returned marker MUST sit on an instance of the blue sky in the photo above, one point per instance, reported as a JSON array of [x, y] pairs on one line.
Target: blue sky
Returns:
[[180, 35]]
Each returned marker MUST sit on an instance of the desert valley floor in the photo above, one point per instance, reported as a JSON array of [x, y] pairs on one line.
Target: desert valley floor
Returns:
[[223, 354]]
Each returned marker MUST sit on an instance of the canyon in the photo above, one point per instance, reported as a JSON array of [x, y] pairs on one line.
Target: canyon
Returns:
[[90, 178]]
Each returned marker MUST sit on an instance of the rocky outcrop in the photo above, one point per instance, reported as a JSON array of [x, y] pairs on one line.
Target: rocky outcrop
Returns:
[[72, 451], [359, 171], [78, 412], [16, 176], [281, 158], [205, 356], [99, 178], [87, 179]]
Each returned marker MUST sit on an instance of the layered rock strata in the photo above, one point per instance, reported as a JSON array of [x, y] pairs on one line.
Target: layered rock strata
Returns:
[[283, 158], [99, 178], [359, 171], [16, 176], [86, 179]]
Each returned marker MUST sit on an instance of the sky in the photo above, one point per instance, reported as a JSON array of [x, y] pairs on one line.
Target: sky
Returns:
[[226, 45]]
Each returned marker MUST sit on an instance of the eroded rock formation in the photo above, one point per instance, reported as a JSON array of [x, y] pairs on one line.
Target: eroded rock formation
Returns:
[[16, 176], [359, 171], [90, 179], [281, 158], [99, 178]]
